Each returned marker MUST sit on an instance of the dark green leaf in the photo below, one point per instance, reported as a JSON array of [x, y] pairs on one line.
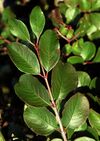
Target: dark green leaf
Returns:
[[94, 120], [64, 80], [97, 57], [23, 58], [49, 49], [75, 113], [88, 51], [40, 120], [31, 91], [83, 79], [75, 59], [19, 29], [37, 21], [84, 139]]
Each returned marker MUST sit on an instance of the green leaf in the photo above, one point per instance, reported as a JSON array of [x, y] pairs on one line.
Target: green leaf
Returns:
[[37, 21], [95, 5], [76, 48], [19, 29], [67, 49], [64, 80], [83, 127], [75, 60], [95, 22], [57, 139], [71, 3], [94, 120], [83, 79], [84, 5], [40, 120], [84, 139], [88, 50], [31, 91], [95, 35], [93, 132], [75, 113], [23, 58], [71, 13], [97, 57], [49, 49], [1, 137]]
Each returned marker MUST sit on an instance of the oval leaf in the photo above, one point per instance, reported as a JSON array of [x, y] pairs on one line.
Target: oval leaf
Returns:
[[23, 58], [37, 21], [83, 79], [75, 113], [88, 51], [49, 50], [84, 139], [31, 91], [94, 120], [19, 29], [40, 120], [75, 60], [64, 80]]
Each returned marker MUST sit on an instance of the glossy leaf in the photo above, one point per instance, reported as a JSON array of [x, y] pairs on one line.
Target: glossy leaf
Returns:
[[37, 21], [19, 29], [31, 91], [57, 139], [49, 49], [64, 80], [83, 79], [23, 58], [97, 57], [84, 139], [75, 113], [88, 51], [40, 120], [75, 60], [94, 120]]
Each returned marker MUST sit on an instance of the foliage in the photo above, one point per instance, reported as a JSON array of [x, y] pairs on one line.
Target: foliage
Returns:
[[61, 104]]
